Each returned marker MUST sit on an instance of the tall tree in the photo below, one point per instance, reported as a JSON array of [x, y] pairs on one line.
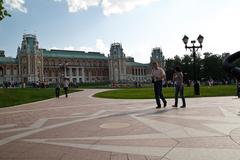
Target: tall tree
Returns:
[[177, 60], [170, 64], [187, 66], [3, 11], [212, 67]]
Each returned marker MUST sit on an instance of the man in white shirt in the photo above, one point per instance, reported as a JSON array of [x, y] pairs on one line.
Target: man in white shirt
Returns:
[[158, 75]]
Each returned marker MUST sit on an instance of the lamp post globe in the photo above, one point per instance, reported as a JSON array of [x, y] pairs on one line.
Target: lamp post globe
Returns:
[[200, 39], [185, 39]]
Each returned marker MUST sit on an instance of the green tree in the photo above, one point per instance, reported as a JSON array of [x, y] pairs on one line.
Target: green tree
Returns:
[[3, 11], [177, 60], [170, 64], [187, 66], [212, 67]]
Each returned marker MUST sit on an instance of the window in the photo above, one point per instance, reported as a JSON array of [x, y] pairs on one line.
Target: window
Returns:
[[68, 71], [15, 71], [74, 72], [8, 71], [24, 60], [80, 71]]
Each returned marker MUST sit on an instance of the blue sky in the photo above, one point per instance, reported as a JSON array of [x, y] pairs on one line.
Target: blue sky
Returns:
[[140, 25]]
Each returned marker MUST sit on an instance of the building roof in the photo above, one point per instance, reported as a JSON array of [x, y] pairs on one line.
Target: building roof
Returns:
[[73, 54], [8, 60], [136, 64]]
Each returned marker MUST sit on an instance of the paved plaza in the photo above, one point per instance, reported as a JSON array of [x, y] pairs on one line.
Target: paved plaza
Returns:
[[82, 127]]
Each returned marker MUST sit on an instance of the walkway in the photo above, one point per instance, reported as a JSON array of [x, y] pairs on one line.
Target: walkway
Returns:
[[85, 128]]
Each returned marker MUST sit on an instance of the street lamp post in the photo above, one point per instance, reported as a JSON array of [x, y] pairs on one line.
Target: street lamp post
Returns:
[[194, 49]]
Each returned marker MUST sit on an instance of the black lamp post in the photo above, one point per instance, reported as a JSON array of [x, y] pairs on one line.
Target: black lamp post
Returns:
[[193, 49]]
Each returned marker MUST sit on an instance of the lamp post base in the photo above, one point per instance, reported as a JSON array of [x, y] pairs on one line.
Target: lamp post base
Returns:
[[196, 89]]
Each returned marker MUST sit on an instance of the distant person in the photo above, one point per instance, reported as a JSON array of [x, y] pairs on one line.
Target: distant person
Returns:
[[139, 85], [179, 87], [209, 83], [57, 88], [66, 84], [135, 84], [158, 75]]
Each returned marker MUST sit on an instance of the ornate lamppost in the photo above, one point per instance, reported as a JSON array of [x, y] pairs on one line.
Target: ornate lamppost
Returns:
[[194, 49]]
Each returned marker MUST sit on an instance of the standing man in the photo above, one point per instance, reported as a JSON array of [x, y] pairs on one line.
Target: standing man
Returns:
[[66, 87], [57, 88], [158, 75], [179, 87]]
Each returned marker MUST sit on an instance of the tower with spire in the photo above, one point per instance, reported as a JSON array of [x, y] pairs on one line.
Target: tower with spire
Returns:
[[117, 63], [30, 59], [157, 56]]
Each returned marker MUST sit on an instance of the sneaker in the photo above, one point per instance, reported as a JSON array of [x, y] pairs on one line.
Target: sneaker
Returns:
[[183, 107], [165, 104], [174, 106], [158, 107]]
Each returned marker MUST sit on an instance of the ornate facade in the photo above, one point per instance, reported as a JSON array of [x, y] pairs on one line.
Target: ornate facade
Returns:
[[34, 64], [157, 56]]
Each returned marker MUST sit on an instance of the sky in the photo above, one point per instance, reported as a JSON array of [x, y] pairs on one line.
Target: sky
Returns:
[[139, 25]]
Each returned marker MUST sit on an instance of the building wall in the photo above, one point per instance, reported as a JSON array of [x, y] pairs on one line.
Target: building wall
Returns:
[[31, 65], [117, 64], [9, 73], [139, 74], [76, 70]]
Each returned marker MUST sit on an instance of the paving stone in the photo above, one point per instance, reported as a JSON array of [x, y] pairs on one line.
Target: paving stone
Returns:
[[87, 128]]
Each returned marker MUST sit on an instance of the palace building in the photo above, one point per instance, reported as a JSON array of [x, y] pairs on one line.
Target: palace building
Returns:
[[33, 64]]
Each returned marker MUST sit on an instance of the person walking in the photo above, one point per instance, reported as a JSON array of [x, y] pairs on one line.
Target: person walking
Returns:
[[158, 75], [179, 86], [57, 88], [66, 87]]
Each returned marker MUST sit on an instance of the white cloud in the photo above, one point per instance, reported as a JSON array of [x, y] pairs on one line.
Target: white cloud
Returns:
[[109, 6], [101, 47], [86, 49], [77, 5], [70, 48], [119, 7], [16, 4], [56, 48]]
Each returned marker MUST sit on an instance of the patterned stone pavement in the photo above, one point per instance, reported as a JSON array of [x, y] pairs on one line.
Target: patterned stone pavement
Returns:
[[87, 128]]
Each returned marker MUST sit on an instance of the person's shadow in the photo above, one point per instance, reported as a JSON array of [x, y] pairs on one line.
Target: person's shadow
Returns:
[[157, 112], [140, 113]]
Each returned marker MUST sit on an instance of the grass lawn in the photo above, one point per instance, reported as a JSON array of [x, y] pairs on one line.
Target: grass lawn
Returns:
[[16, 96], [148, 93]]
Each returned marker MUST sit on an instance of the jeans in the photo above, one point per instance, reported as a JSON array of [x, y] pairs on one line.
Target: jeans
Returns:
[[66, 91], [180, 89], [57, 92], [158, 92]]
